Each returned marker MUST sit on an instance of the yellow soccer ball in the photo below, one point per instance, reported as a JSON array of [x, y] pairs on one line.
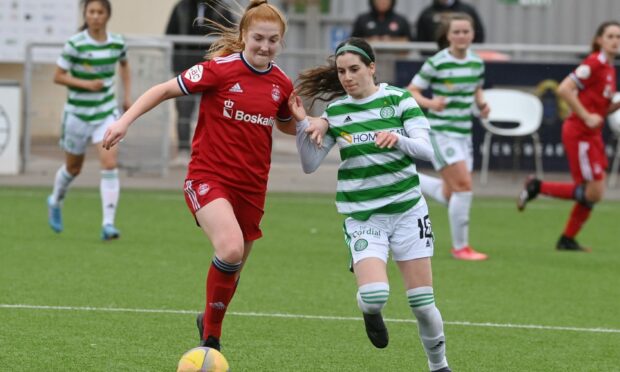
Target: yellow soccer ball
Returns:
[[203, 359]]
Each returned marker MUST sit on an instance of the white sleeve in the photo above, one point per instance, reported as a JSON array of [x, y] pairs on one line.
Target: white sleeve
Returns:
[[422, 79], [417, 144], [65, 59], [311, 156]]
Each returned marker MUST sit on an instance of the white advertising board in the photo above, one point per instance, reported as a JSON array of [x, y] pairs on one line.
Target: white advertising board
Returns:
[[23, 21]]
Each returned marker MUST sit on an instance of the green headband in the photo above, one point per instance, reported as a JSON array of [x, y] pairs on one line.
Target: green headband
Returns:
[[353, 48]]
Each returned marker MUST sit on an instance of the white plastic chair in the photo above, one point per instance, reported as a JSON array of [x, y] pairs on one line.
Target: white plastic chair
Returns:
[[514, 106], [614, 124]]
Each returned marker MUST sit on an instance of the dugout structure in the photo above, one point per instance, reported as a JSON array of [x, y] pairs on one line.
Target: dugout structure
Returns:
[[147, 147]]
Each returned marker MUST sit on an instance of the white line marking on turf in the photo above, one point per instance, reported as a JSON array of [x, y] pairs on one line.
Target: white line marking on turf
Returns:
[[302, 316]]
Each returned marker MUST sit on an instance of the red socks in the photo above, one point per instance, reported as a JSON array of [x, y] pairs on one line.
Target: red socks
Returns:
[[566, 190], [221, 286], [562, 190], [578, 216]]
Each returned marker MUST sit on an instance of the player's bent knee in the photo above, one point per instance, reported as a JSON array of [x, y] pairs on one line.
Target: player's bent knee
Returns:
[[587, 199], [461, 186], [235, 255], [229, 250], [372, 297], [594, 197]]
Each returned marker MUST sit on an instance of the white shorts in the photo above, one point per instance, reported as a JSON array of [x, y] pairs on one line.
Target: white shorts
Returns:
[[407, 235], [76, 133], [449, 150]]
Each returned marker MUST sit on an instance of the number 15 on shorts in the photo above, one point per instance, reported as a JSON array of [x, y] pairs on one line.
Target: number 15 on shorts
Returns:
[[424, 224]]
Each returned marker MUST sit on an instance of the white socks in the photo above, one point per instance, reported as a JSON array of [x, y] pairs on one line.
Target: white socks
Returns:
[[433, 187], [459, 206], [61, 184], [110, 190], [458, 214], [372, 297], [430, 326]]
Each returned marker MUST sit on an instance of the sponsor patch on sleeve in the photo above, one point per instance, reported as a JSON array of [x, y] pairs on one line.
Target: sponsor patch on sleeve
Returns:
[[194, 74], [583, 72]]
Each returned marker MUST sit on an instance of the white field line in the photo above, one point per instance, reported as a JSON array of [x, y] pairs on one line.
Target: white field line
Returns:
[[311, 317], [492, 202]]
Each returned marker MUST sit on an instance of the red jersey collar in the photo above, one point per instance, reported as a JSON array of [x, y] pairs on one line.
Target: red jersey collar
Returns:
[[254, 69]]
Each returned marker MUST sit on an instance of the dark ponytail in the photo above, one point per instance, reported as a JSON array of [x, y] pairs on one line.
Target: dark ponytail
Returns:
[[322, 83]]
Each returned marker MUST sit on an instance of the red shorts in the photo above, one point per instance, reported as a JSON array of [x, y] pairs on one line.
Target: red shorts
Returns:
[[586, 156], [248, 207]]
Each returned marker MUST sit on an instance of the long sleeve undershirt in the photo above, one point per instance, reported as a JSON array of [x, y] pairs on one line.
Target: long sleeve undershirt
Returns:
[[416, 145]]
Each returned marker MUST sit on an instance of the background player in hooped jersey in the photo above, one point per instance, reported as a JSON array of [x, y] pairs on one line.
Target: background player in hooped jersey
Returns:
[[455, 75], [243, 95], [379, 130], [87, 67], [588, 90]]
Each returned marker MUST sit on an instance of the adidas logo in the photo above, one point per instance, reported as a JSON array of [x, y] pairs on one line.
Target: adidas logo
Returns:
[[236, 88], [217, 305], [347, 119], [428, 243]]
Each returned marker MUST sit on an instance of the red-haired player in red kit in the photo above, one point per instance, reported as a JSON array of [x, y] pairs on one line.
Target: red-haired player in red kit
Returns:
[[244, 94], [588, 90]]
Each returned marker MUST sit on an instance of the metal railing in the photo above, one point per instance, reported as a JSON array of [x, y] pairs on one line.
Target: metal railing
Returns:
[[163, 50]]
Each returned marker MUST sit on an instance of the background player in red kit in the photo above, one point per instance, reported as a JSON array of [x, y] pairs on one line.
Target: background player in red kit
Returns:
[[588, 90], [243, 95]]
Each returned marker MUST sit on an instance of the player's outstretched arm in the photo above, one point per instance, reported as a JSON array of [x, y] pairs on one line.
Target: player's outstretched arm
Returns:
[[316, 128], [146, 102], [311, 145]]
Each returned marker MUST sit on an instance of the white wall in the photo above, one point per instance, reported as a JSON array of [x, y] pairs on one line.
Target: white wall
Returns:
[[140, 17]]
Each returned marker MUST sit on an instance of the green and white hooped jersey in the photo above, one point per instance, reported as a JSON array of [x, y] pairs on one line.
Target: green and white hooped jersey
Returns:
[[88, 59], [373, 180], [457, 81]]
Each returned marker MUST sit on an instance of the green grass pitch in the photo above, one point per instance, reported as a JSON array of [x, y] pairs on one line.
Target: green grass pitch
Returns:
[[69, 302]]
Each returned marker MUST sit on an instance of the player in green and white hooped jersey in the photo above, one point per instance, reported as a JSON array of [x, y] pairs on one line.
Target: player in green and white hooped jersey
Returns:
[[87, 67], [455, 76], [380, 132]]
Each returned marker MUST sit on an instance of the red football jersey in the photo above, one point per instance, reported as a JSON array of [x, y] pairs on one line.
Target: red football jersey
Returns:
[[596, 79], [238, 109]]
